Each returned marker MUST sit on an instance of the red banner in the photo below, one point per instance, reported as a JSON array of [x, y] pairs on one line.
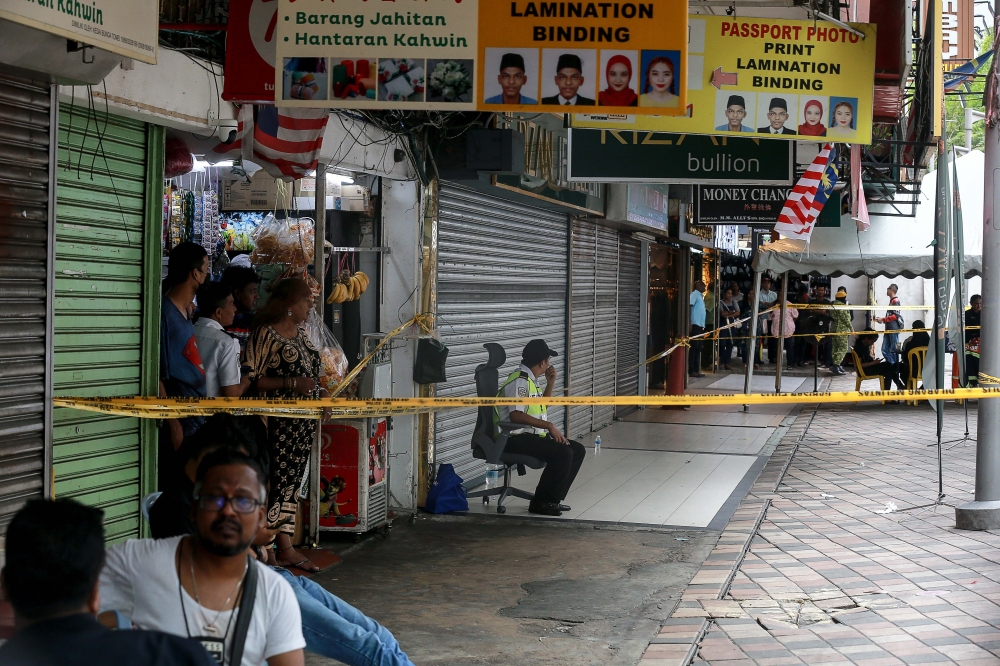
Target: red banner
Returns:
[[250, 51]]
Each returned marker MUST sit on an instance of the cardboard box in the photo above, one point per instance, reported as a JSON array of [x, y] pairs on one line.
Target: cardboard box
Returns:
[[261, 193]]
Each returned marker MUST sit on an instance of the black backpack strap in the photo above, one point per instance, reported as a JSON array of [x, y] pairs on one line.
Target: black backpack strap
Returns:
[[246, 612]]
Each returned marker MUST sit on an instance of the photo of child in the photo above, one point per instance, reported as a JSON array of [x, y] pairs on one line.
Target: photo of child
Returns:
[[619, 78], [401, 80], [661, 78], [843, 116], [304, 78], [732, 108], [516, 79], [353, 78], [813, 111]]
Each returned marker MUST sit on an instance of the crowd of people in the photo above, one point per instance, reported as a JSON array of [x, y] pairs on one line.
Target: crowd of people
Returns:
[[834, 327], [214, 579]]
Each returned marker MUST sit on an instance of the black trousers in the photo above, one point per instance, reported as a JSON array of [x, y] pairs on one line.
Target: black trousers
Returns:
[[562, 462], [694, 360]]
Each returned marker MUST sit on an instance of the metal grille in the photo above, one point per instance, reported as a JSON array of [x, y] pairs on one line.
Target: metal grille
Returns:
[[629, 304], [378, 506], [25, 120], [98, 325], [582, 318], [606, 323], [502, 276]]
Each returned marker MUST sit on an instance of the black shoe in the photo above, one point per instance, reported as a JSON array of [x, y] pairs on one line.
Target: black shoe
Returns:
[[565, 507], [544, 508]]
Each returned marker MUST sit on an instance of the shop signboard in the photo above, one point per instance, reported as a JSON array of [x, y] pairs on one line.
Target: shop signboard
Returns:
[[250, 50], [129, 28], [797, 80], [754, 206], [658, 157], [957, 34], [648, 205], [489, 55]]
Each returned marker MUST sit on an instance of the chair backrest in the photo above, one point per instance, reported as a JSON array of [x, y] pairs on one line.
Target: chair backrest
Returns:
[[860, 370], [487, 386], [915, 359]]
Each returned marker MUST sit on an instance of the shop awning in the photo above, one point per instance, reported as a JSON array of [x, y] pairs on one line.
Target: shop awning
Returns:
[[893, 246]]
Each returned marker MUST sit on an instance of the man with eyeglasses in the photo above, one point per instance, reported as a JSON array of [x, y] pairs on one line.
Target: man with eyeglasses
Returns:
[[569, 78], [777, 114], [193, 586]]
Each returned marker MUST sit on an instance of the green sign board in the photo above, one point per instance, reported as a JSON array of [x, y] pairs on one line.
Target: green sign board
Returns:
[[659, 157]]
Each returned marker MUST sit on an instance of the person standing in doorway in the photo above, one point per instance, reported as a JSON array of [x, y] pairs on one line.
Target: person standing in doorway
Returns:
[[697, 302], [893, 321], [766, 299], [220, 353], [244, 282], [840, 323], [824, 350], [729, 312]]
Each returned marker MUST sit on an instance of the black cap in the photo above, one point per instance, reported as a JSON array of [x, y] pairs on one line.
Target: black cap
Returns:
[[778, 102], [737, 100], [511, 60], [570, 60], [535, 352]]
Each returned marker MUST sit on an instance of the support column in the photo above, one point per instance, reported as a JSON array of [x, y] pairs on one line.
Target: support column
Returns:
[[984, 512], [781, 330], [319, 272], [428, 305], [748, 381]]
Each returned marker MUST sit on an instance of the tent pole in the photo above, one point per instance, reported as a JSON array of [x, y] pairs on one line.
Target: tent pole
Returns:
[[753, 337], [984, 512], [781, 330]]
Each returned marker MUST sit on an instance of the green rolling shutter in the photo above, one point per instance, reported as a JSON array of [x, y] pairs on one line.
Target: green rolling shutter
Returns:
[[107, 257]]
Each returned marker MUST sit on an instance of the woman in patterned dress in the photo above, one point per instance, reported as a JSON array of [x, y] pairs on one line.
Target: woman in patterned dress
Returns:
[[285, 364]]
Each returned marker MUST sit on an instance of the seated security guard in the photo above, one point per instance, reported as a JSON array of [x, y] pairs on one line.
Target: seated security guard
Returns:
[[540, 439]]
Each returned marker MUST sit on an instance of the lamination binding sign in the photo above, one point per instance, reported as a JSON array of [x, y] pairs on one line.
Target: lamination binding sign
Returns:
[[489, 55], [801, 80]]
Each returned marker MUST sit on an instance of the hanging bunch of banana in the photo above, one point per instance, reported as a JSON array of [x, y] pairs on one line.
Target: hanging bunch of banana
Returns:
[[348, 287]]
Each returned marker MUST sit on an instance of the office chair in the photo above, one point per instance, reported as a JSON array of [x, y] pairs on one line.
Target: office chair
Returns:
[[488, 442]]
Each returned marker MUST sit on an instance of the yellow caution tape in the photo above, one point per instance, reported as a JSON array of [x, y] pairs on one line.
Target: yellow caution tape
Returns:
[[162, 408], [423, 320]]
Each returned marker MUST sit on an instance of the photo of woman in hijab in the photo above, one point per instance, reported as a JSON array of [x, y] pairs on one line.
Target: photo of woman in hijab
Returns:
[[660, 80], [813, 115], [618, 77], [842, 117]]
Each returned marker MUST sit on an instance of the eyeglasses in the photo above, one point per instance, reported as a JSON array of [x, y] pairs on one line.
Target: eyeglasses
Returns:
[[239, 504]]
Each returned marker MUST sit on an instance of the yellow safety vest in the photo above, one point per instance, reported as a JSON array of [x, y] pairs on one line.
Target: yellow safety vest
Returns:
[[534, 411]]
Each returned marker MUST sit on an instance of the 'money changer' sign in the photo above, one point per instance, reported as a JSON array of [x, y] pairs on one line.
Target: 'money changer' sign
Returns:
[[659, 157]]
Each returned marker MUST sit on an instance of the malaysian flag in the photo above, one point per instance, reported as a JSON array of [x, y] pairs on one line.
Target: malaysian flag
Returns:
[[806, 199], [284, 141]]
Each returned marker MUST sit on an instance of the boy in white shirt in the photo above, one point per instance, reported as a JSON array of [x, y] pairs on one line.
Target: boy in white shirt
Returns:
[[220, 352]]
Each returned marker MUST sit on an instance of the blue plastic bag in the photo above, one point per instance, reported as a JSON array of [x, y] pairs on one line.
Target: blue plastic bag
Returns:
[[447, 494]]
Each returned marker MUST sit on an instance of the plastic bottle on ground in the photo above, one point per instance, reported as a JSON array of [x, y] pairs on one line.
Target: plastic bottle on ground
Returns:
[[492, 476], [597, 444]]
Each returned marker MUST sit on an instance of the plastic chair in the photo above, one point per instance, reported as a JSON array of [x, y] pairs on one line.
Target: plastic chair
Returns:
[[915, 362], [489, 441], [146, 503], [861, 376]]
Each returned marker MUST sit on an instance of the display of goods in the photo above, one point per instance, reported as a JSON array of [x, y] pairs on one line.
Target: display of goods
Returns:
[[331, 354], [237, 230], [348, 287], [288, 241]]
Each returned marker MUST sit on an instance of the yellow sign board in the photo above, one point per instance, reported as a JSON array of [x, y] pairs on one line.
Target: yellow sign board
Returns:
[[622, 56], [129, 28], [802, 80]]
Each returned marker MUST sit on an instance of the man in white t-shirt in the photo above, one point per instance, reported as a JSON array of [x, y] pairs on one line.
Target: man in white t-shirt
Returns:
[[220, 352], [191, 586]]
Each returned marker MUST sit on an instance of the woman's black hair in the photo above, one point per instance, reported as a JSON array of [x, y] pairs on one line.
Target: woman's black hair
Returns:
[[184, 258], [283, 295]]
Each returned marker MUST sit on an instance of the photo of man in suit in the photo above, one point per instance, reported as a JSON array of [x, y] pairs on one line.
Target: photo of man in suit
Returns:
[[512, 78], [777, 114], [568, 78]]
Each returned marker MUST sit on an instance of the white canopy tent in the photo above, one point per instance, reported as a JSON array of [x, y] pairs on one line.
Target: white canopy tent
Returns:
[[893, 246]]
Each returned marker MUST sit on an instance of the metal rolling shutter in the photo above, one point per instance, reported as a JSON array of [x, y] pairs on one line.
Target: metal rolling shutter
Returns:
[[26, 112], [98, 323], [502, 277], [606, 323], [582, 321], [629, 303]]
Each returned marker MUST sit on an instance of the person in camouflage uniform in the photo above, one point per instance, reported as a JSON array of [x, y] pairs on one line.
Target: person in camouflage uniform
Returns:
[[841, 322]]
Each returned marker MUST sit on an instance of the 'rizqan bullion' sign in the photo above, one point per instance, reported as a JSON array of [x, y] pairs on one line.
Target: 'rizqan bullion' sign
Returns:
[[487, 55]]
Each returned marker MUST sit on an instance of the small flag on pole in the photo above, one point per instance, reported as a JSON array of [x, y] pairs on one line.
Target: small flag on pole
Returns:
[[805, 201]]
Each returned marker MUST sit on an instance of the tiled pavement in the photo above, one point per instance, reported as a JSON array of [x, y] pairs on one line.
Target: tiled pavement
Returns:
[[826, 578]]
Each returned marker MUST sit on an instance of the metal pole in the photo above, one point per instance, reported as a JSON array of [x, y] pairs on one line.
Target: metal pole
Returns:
[[428, 306], [984, 512], [781, 330], [748, 380], [319, 272]]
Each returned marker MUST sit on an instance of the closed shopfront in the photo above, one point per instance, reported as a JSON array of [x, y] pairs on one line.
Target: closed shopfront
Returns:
[[605, 322], [26, 165], [107, 285], [502, 277]]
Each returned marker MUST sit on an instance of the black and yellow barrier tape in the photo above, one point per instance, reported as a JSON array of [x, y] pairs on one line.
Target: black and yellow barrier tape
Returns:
[[163, 408]]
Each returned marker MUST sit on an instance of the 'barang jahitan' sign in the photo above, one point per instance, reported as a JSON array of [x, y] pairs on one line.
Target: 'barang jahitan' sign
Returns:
[[487, 55]]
